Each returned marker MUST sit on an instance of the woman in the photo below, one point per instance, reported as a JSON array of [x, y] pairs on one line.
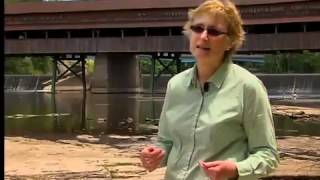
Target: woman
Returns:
[[216, 120]]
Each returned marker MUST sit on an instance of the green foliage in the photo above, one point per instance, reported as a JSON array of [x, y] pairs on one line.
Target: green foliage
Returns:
[[251, 66], [16, 65], [41, 65], [27, 65], [90, 66], [36, 65], [146, 66], [19, 1], [306, 62]]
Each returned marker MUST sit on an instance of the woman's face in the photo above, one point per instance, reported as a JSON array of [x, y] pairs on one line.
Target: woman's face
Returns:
[[208, 38]]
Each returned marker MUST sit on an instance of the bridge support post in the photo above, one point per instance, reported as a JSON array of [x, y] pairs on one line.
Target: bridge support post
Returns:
[[178, 63], [84, 93], [54, 75], [153, 69], [116, 73]]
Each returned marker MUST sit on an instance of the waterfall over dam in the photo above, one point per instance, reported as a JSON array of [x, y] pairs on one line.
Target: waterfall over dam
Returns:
[[279, 86]]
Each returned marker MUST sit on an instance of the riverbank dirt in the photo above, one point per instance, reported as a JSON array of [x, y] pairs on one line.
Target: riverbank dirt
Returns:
[[117, 157]]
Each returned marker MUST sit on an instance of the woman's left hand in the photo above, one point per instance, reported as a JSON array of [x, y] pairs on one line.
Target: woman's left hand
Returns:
[[220, 170]]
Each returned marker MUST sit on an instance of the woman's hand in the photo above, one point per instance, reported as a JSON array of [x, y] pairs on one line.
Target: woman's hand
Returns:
[[151, 157], [220, 170]]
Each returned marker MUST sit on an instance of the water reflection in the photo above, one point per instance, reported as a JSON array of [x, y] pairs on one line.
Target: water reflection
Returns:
[[71, 113]]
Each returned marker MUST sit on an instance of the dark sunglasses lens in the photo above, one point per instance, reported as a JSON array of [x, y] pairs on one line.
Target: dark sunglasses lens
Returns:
[[214, 32], [210, 31], [197, 29]]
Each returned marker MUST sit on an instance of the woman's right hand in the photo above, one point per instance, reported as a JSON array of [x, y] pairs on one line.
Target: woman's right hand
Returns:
[[151, 157]]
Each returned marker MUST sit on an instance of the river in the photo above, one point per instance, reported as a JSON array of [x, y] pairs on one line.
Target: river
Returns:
[[71, 113]]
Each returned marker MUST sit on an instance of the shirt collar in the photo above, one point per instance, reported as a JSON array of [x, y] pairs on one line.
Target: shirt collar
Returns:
[[216, 79]]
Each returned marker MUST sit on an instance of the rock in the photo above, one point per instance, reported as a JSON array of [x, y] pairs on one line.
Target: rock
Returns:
[[118, 137], [87, 139], [139, 138], [298, 113]]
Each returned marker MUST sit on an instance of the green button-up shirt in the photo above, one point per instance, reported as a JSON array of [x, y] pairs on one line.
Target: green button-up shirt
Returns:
[[231, 121]]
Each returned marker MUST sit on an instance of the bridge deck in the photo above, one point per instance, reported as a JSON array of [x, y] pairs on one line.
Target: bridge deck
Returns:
[[255, 42], [268, 24]]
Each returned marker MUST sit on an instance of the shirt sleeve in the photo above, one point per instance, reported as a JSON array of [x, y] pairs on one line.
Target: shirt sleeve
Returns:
[[263, 157], [163, 140]]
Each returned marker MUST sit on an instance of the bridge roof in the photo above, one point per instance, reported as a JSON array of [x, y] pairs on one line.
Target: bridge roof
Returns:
[[102, 5]]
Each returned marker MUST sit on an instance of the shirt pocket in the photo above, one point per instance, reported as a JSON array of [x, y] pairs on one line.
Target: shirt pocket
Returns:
[[221, 117], [224, 110]]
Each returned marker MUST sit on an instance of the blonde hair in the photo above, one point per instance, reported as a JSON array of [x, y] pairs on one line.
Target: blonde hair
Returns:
[[227, 10]]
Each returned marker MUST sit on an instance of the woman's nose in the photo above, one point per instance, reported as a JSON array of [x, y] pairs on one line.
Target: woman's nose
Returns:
[[204, 35]]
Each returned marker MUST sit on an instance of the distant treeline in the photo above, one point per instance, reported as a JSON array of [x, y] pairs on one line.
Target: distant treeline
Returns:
[[17, 1], [306, 62], [36, 65], [28, 65]]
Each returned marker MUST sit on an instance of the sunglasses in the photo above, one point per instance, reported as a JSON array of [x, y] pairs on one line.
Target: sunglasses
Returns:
[[210, 30]]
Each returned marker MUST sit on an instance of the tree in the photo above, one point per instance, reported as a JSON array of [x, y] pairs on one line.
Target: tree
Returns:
[[16, 65], [27, 65], [305, 62], [20, 1]]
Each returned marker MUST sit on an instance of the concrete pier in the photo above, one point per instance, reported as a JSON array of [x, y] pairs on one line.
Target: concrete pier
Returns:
[[116, 73]]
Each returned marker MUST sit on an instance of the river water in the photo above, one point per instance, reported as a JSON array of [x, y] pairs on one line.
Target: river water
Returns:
[[71, 113]]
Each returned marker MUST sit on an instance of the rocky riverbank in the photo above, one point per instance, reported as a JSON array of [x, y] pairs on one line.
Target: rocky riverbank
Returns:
[[117, 157], [297, 113]]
